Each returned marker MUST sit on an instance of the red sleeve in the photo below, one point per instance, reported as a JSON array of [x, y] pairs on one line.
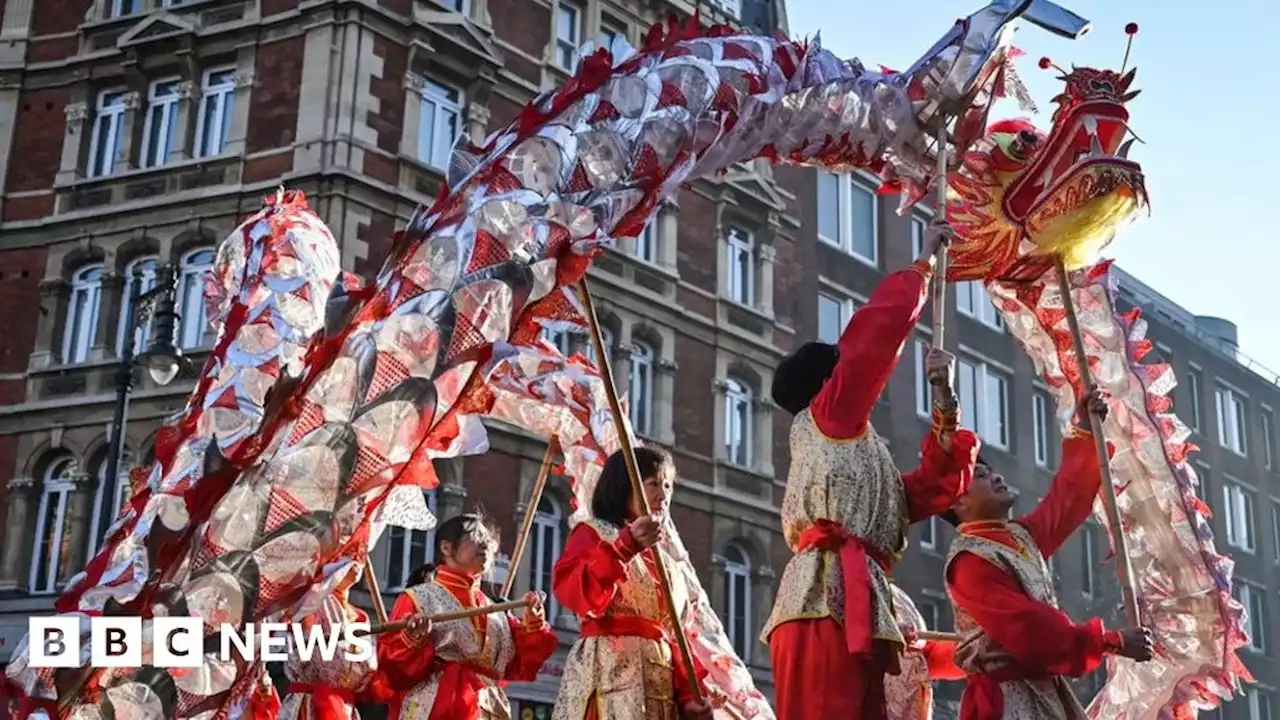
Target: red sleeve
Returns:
[[1037, 634], [680, 676], [587, 575], [1070, 498], [869, 348], [534, 645], [940, 654], [401, 662], [942, 477]]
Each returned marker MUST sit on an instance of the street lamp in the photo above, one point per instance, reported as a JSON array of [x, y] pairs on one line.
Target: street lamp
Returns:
[[162, 360]]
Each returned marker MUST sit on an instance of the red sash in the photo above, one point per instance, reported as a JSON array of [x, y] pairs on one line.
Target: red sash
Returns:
[[830, 536], [623, 626], [328, 702], [983, 699]]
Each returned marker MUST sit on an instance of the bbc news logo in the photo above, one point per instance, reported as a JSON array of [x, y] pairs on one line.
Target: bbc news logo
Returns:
[[178, 642]]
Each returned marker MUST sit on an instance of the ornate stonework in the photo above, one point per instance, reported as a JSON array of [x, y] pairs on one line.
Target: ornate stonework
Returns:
[[245, 80], [76, 113]]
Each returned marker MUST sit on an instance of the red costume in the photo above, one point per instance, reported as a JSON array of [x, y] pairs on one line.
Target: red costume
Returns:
[[625, 664], [1004, 601], [458, 672], [832, 632]]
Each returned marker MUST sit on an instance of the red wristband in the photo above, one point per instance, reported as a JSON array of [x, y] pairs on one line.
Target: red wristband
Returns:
[[1112, 641]]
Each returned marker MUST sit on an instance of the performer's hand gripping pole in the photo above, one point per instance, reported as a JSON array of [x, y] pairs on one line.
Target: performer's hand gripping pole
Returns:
[[1128, 588], [637, 483], [530, 513]]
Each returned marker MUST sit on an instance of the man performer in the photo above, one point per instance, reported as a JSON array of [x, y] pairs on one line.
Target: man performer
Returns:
[[832, 632], [1003, 595]]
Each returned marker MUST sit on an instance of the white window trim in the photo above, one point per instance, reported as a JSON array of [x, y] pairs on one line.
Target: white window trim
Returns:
[[846, 308], [738, 241], [647, 242], [844, 203], [1238, 419], [1245, 502], [1089, 557], [561, 339], [641, 378], [166, 107], [739, 572], [1253, 623], [78, 337], [52, 485], [546, 525], [1258, 699], [606, 338], [1275, 531], [1194, 376], [934, 610], [1267, 419], [924, 391], [435, 148], [1040, 428], [398, 580], [127, 300], [919, 227], [225, 93], [929, 533], [733, 396], [980, 306], [116, 8], [193, 273], [120, 489], [113, 137], [572, 45], [981, 421]]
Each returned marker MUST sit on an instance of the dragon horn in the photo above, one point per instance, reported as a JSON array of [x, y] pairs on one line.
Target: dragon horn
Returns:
[[1127, 79]]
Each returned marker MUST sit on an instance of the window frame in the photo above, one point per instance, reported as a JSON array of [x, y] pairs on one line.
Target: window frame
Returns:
[[113, 113], [974, 302], [647, 242], [1255, 623], [565, 50], [103, 518], [738, 393], [1245, 504], [929, 533], [78, 338], [546, 525], [398, 581], [641, 386], [189, 272], [54, 482], [740, 245], [1089, 561], [127, 300], [1040, 428], [845, 309], [979, 419], [168, 110], [845, 185], [224, 93], [436, 102], [738, 571], [1266, 418], [1194, 386], [116, 8], [924, 391], [1275, 531]]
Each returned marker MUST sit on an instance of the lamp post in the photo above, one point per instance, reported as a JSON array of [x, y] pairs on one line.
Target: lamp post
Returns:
[[162, 360]]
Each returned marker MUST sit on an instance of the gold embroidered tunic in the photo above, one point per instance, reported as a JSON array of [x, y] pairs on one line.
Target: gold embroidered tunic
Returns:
[[325, 689]]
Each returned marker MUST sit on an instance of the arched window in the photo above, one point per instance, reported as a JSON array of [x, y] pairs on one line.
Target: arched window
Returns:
[[195, 321], [53, 527], [642, 388], [81, 327], [109, 498], [148, 267], [606, 336], [408, 550], [544, 550], [737, 600], [737, 422], [560, 338]]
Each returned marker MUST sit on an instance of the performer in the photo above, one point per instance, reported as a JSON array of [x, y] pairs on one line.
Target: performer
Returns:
[[328, 690], [453, 670], [909, 695], [625, 664], [1003, 594], [832, 632]]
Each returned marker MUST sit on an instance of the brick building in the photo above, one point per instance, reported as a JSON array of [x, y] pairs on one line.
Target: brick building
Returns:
[[139, 132]]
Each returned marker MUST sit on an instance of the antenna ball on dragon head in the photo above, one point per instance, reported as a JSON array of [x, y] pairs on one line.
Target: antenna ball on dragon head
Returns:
[[1045, 63], [1131, 29]]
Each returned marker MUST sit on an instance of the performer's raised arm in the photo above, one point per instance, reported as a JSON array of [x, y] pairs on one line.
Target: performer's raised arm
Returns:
[[1075, 487]]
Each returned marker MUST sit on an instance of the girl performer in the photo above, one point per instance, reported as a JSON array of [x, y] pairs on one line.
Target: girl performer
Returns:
[[624, 665], [454, 670]]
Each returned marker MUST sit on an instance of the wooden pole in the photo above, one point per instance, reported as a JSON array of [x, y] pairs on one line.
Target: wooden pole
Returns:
[[637, 486], [940, 275], [938, 636], [386, 627], [1128, 588], [530, 512], [371, 583]]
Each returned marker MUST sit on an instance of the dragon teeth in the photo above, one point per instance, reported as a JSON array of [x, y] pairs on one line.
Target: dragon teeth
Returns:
[[1091, 125]]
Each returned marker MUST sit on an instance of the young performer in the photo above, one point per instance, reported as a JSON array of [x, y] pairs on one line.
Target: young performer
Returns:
[[328, 690], [832, 633], [454, 670], [625, 665], [1004, 598]]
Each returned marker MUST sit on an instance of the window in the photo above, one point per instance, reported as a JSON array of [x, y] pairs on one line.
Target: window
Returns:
[[439, 124], [1088, 557], [972, 300], [568, 35], [1254, 601], [160, 128], [1259, 705], [1231, 421], [53, 528], [930, 613], [1202, 489], [560, 338], [647, 243], [606, 337], [918, 227], [544, 550], [409, 550], [120, 8], [1238, 511], [737, 600], [924, 391], [984, 396], [737, 422], [217, 105], [742, 285], [1268, 439], [833, 315], [642, 356], [1040, 428], [1193, 389], [609, 33], [847, 216], [148, 267], [194, 323], [928, 534], [732, 8], [460, 6], [109, 498], [1275, 532], [106, 145], [82, 314]]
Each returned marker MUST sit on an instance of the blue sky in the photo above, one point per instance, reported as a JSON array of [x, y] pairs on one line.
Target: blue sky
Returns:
[[1207, 112]]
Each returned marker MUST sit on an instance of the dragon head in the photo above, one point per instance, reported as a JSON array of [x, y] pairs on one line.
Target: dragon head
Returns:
[[1026, 199]]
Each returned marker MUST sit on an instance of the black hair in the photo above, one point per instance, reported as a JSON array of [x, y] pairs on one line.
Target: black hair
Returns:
[[612, 499], [452, 531], [950, 516], [799, 377]]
